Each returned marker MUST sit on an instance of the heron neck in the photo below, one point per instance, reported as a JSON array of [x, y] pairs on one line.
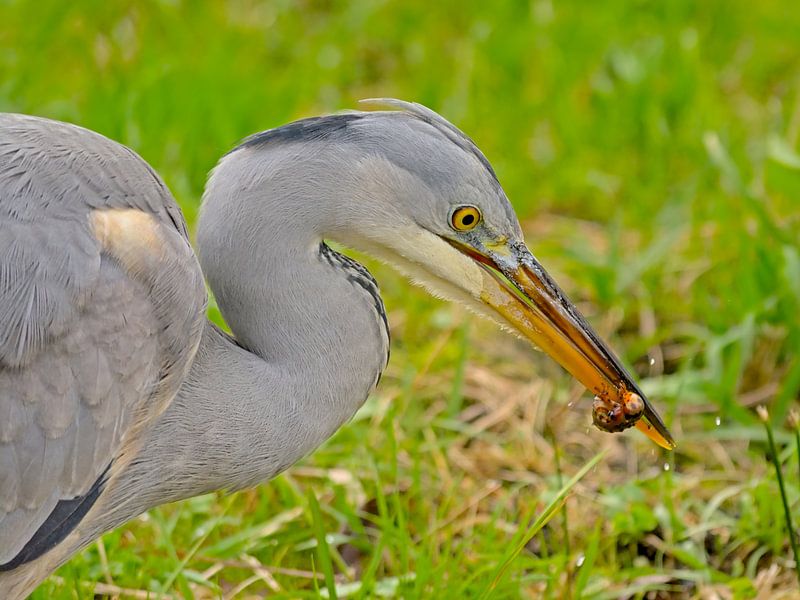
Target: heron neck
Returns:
[[309, 343]]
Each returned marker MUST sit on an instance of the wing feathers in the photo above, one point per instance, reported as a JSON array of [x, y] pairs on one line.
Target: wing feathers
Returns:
[[57, 407], [13, 419], [92, 373], [9, 484], [98, 325], [60, 521], [28, 453]]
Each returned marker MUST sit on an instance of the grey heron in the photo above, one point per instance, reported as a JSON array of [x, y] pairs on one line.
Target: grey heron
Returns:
[[116, 393]]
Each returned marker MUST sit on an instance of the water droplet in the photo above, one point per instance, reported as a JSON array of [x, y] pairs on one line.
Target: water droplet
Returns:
[[570, 404], [718, 421], [666, 466], [579, 562], [652, 361]]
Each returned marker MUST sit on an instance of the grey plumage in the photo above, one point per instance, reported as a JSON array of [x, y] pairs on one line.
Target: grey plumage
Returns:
[[89, 351], [116, 394]]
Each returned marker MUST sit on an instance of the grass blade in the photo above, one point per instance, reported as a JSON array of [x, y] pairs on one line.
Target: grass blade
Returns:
[[176, 572], [550, 510], [323, 552], [762, 413], [794, 423], [585, 567]]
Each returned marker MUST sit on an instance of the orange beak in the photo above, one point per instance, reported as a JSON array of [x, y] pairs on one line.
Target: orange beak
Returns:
[[518, 288]]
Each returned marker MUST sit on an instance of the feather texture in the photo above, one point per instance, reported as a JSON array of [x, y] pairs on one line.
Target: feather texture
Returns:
[[96, 331]]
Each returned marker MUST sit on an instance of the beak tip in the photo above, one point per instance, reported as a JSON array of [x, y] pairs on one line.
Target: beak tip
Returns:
[[663, 439]]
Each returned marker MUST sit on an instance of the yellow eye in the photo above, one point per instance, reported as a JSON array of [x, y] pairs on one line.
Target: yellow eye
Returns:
[[465, 218]]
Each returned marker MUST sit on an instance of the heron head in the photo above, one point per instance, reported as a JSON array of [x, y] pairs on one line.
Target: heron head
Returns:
[[438, 214]]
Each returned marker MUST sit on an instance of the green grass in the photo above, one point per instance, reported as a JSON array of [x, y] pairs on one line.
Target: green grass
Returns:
[[651, 151]]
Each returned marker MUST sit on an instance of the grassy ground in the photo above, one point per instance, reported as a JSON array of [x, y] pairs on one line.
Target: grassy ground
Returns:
[[651, 150]]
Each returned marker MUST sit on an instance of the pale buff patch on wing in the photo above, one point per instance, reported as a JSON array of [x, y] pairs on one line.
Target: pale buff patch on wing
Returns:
[[131, 236], [136, 241]]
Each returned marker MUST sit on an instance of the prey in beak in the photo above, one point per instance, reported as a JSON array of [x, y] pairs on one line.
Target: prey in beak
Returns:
[[518, 288]]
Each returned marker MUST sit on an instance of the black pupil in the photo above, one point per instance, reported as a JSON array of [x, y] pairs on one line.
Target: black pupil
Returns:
[[467, 219]]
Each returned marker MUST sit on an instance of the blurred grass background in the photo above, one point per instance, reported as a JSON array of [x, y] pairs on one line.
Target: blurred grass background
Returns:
[[651, 151]]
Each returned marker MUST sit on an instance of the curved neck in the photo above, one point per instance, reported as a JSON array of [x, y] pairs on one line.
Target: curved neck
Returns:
[[310, 343], [286, 296]]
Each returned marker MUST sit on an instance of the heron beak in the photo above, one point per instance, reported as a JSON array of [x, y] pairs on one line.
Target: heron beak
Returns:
[[518, 288]]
